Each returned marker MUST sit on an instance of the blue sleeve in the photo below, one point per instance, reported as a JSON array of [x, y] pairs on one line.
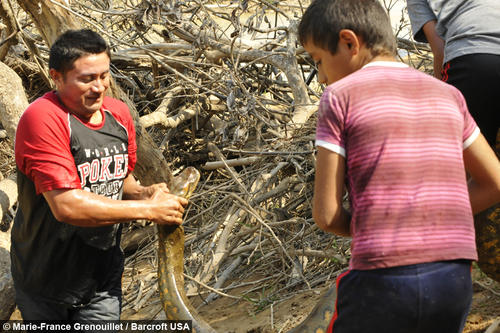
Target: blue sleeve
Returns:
[[420, 13]]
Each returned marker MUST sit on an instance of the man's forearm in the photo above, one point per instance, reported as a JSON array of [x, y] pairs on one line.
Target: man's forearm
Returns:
[[84, 208], [132, 190]]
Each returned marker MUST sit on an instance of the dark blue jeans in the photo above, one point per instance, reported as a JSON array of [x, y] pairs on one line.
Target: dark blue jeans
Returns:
[[424, 298]]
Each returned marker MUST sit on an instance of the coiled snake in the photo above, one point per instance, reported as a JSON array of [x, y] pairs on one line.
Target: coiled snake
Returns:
[[171, 268]]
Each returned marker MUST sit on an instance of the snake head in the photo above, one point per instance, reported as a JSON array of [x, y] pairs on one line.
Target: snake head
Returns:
[[184, 184]]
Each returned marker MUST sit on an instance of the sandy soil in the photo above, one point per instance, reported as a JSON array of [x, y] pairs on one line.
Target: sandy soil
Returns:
[[227, 316]]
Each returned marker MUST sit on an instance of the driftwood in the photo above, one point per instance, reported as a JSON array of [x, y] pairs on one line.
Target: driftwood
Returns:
[[494, 328]]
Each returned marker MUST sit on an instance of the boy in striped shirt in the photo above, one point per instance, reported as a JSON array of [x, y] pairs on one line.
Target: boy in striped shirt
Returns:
[[402, 141]]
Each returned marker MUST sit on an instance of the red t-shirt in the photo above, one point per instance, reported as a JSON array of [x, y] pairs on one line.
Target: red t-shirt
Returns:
[[43, 148], [58, 261]]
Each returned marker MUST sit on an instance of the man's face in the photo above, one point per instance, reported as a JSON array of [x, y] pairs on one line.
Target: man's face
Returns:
[[82, 88]]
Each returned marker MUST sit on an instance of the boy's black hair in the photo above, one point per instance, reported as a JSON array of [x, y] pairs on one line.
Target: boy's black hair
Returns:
[[323, 20], [72, 45]]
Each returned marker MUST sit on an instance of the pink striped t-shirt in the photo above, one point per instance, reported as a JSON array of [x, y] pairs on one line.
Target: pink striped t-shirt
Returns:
[[402, 133]]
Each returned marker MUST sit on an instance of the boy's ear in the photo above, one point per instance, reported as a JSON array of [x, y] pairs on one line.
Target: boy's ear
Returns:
[[350, 40]]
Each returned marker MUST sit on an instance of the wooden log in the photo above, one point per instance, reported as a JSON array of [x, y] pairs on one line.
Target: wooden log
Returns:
[[494, 328], [160, 118], [9, 21], [231, 163], [50, 19]]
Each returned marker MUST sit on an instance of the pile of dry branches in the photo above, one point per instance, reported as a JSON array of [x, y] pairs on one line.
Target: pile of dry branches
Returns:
[[225, 87]]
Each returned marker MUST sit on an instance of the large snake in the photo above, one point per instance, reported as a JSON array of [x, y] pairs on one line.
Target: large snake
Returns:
[[171, 268], [171, 260], [171, 264]]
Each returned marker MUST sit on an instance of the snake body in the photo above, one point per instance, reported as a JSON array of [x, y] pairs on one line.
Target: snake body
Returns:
[[171, 268], [171, 260]]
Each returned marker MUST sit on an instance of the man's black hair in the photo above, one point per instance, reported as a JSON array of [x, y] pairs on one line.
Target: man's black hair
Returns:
[[323, 20], [72, 45]]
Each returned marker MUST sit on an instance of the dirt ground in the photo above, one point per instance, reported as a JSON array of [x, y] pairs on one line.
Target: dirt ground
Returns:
[[229, 316], [226, 315]]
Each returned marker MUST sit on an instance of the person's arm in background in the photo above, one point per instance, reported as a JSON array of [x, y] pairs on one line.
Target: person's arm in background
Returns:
[[423, 24], [437, 46], [484, 168], [83, 208], [328, 212]]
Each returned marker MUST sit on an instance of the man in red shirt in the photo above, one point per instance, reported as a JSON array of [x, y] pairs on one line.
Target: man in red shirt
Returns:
[[75, 152]]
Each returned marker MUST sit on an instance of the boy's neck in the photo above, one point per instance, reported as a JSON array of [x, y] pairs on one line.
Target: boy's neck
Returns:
[[378, 58], [383, 58], [365, 57]]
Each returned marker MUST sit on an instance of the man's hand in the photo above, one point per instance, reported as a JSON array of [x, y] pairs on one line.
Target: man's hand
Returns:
[[148, 191], [168, 208]]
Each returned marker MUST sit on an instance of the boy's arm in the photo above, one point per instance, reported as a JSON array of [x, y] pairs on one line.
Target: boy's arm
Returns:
[[328, 212], [437, 46], [484, 168]]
